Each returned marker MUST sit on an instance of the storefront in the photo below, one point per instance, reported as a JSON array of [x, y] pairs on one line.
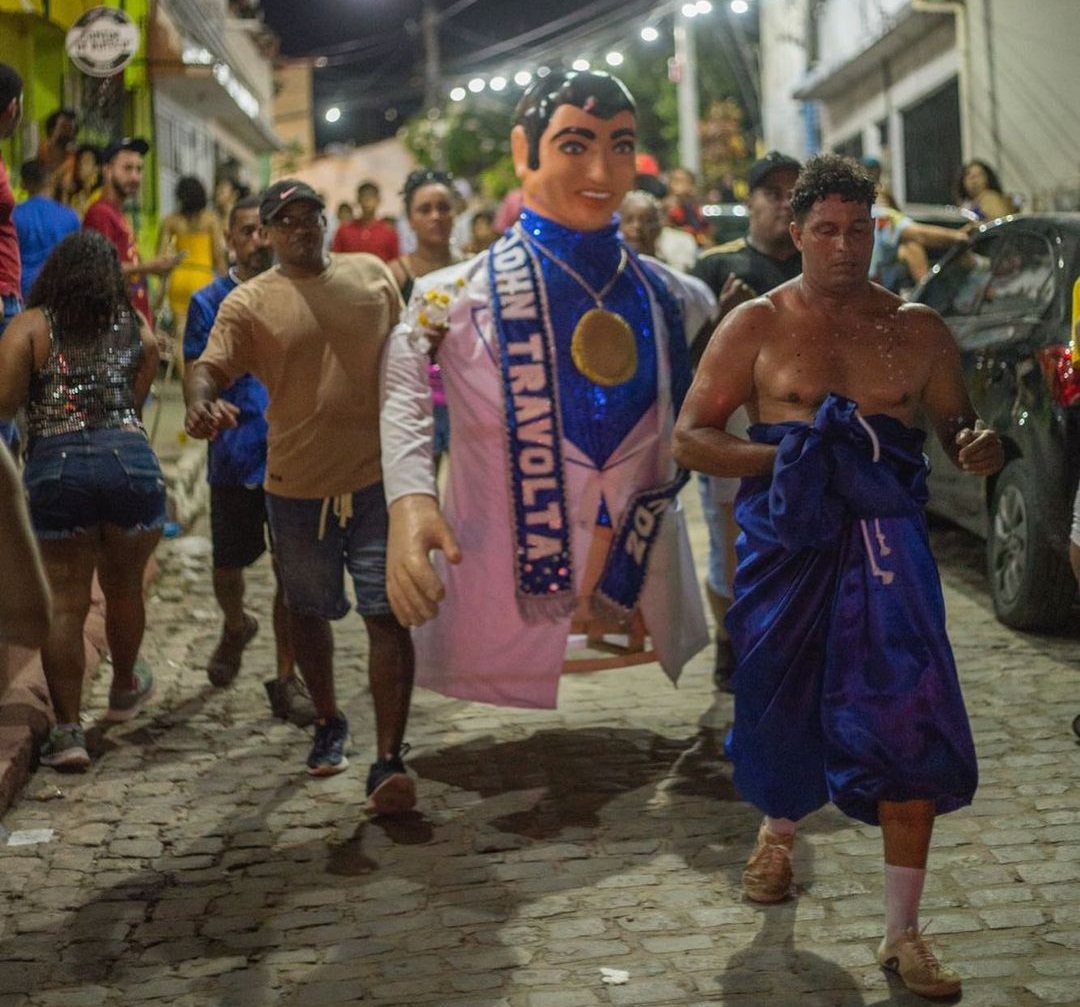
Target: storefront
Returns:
[[198, 86], [33, 35]]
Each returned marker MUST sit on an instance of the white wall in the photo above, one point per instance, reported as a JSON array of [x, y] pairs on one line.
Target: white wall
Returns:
[[184, 147], [849, 26], [1025, 81], [910, 77], [1019, 68], [783, 64], [336, 176]]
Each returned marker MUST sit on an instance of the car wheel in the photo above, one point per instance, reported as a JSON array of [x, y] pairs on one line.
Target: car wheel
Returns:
[[1030, 579]]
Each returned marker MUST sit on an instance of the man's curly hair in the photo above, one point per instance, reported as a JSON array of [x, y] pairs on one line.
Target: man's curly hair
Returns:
[[830, 175]]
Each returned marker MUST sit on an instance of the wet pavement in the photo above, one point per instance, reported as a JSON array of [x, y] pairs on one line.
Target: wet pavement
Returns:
[[196, 865]]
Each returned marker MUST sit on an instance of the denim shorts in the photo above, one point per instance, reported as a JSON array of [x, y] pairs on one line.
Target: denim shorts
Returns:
[[237, 525], [313, 568], [81, 481]]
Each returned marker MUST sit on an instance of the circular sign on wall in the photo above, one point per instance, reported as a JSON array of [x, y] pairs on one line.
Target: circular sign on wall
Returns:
[[102, 41]]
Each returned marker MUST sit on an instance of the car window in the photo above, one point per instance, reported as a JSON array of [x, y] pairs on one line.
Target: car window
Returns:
[[1021, 284], [958, 287]]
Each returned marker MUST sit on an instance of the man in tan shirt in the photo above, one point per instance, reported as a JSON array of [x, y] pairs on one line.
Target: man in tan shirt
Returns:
[[312, 330]]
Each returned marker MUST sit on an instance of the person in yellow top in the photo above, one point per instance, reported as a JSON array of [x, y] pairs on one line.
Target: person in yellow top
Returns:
[[194, 232], [87, 182]]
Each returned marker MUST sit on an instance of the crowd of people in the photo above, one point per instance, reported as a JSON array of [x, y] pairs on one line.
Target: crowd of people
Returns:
[[577, 366]]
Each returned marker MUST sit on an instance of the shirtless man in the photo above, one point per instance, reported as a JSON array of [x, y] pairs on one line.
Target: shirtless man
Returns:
[[845, 688]]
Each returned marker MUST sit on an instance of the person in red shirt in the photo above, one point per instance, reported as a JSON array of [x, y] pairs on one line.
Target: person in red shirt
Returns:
[[367, 233], [11, 90], [121, 180], [683, 207]]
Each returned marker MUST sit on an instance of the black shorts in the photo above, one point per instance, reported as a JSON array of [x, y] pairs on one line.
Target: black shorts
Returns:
[[237, 524]]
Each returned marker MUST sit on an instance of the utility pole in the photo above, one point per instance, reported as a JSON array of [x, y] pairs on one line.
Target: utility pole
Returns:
[[687, 92], [429, 24]]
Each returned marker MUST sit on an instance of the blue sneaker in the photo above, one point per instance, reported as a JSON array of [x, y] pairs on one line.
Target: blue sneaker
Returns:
[[328, 753], [65, 748], [125, 703], [390, 788]]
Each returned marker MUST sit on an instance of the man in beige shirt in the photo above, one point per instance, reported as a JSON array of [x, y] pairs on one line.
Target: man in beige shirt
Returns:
[[312, 330]]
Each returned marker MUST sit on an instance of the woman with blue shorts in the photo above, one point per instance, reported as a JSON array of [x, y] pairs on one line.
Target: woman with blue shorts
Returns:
[[81, 360]]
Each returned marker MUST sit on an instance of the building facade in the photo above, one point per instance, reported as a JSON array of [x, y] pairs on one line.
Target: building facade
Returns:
[[200, 87], [213, 79], [924, 85]]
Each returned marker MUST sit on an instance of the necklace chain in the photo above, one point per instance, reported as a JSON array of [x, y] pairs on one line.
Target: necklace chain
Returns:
[[413, 258], [596, 295]]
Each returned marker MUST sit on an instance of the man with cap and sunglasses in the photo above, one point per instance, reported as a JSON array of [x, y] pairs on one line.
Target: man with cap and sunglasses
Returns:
[[312, 329], [738, 271], [121, 173]]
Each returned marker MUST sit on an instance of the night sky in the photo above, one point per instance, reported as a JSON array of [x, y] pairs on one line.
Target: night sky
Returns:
[[375, 53]]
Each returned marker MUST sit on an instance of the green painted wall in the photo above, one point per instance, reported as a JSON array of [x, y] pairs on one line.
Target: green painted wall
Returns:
[[34, 45]]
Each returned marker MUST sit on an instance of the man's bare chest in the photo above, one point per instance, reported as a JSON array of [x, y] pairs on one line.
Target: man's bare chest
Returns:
[[873, 364]]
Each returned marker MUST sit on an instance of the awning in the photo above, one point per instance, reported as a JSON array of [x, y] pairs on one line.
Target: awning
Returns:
[[202, 82], [208, 92], [908, 29]]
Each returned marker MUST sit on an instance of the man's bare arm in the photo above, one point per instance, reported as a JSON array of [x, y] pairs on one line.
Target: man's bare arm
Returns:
[[933, 235], [17, 359], [971, 445], [160, 265], [148, 367], [724, 381], [207, 413]]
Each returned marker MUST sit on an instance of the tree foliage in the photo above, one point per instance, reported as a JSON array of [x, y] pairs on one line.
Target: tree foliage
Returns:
[[471, 138]]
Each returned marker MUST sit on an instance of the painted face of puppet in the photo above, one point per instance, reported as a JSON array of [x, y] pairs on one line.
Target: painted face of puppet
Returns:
[[586, 167]]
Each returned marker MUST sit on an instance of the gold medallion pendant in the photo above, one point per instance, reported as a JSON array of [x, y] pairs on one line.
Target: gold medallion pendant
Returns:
[[603, 348]]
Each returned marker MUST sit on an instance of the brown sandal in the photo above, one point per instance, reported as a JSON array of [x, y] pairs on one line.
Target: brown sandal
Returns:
[[224, 663]]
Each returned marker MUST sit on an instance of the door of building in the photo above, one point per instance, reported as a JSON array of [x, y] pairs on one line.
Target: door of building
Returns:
[[932, 148]]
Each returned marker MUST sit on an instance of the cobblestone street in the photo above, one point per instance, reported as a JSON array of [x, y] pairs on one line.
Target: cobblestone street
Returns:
[[196, 864]]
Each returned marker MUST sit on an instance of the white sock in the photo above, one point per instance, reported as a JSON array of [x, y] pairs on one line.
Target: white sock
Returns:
[[780, 826], [903, 893]]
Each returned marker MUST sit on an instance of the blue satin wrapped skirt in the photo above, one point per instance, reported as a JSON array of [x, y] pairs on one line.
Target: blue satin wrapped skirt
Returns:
[[846, 689]]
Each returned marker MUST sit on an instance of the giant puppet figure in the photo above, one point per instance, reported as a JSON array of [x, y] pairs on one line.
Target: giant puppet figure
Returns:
[[564, 359]]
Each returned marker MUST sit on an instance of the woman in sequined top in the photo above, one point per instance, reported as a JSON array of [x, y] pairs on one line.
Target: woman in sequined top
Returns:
[[81, 361]]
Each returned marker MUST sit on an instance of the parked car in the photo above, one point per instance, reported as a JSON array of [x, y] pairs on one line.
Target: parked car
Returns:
[[1012, 301]]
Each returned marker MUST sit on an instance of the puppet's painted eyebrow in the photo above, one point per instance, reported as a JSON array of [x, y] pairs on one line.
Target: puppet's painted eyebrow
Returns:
[[588, 134]]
